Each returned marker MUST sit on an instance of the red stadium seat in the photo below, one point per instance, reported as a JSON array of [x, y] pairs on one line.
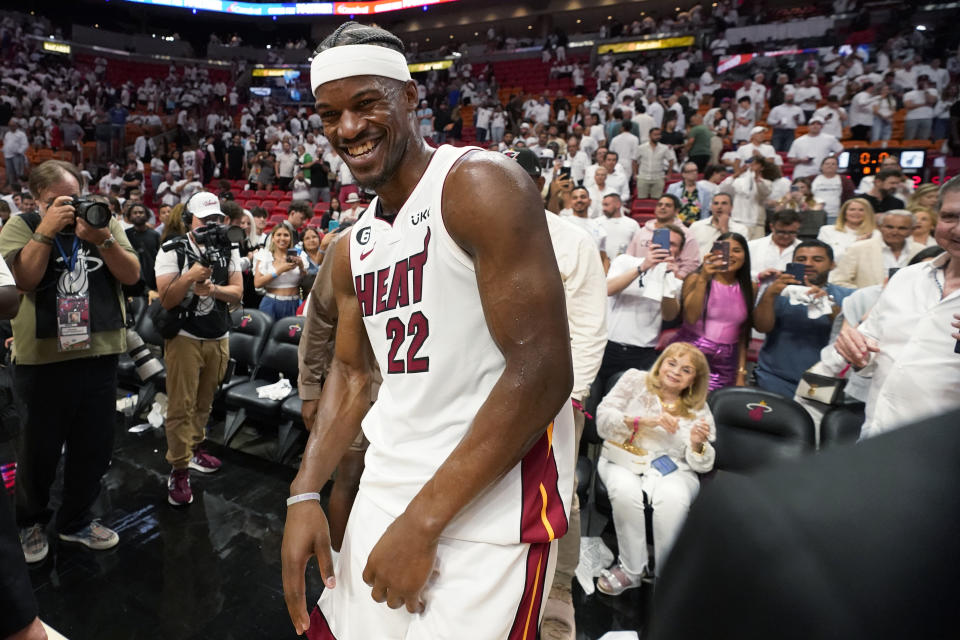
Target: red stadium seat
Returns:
[[278, 211], [277, 194], [250, 204], [268, 204], [277, 217], [321, 207], [262, 193]]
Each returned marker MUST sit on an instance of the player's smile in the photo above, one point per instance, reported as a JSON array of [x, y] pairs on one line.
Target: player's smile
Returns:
[[362, 157]]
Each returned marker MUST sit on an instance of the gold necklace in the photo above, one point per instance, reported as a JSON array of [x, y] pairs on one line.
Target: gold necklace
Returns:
[[670, 407]]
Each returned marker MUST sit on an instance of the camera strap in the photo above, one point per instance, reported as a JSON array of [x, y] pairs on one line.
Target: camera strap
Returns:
[[70, 262]]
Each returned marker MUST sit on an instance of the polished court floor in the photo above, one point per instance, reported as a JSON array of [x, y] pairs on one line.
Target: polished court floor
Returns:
[[212, 569]]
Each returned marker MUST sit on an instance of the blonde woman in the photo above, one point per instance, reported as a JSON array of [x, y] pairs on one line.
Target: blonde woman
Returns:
[[856, 221], [279, 268], [924, 222], [924, 197], [174, 226], [661, 415]]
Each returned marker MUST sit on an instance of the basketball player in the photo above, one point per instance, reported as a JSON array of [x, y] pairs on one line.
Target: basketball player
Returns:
[[450, 278]]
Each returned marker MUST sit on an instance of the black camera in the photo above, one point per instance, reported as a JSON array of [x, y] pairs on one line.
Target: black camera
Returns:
[[217, 241], [95, 214]]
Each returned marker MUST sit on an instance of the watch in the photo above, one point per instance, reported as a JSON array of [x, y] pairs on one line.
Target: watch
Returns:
[[106, 244]]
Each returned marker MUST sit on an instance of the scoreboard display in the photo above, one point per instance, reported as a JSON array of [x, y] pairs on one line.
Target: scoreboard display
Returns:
[[866, 162]]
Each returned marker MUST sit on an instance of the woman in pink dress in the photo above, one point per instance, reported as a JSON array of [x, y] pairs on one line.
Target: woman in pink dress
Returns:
[[717, 300]]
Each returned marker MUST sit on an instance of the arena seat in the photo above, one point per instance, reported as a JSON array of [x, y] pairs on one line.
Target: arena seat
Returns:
[[248, 335], [841, 425], [756, 428], [279, 356]]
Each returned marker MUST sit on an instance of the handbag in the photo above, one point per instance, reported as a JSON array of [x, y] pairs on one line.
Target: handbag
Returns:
[[632, 458], [169, 322], [820, 388]]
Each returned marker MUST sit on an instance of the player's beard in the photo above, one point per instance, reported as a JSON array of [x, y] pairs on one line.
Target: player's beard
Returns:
[[390, 167]]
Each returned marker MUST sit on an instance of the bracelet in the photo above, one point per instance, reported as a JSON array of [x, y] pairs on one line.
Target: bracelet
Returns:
[[273, 272], [42, 239], [302, 497]]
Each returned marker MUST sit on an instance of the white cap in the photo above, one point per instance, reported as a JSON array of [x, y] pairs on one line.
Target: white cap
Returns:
[[352, 197], [203, 204], [757, 130]]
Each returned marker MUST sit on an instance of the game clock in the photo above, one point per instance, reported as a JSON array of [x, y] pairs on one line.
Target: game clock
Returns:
[[867, 162]]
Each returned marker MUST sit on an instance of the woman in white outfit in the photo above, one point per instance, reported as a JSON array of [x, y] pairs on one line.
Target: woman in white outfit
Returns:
[[856, 221], [657, 430]]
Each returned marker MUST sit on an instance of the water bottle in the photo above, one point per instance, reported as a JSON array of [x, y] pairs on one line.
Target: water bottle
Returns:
[[128, 403]]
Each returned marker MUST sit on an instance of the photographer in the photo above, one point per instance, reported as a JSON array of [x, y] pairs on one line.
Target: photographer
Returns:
[[67, 335], [200, 274]]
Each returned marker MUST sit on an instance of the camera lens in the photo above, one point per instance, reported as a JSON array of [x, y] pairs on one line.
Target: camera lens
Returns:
[[95, 214]]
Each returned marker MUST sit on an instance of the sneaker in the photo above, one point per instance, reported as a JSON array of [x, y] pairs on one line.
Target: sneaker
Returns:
[[94, 536], [178, 488], [33, 541], [204, 462]]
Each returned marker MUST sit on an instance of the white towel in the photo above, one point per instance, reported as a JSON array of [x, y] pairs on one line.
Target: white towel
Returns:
[[816, 307], [658, 283], [276, 391]]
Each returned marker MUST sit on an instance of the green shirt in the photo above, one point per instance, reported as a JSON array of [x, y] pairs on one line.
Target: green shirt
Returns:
[[701, 140], [305, 160], [27, 348]]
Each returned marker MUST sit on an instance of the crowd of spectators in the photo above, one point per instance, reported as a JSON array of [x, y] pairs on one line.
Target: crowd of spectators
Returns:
[[715, 200]]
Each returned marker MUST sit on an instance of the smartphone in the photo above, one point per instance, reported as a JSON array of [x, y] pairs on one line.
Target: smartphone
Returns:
[[333, 225], [661, 238], [292, 255], [797, 270], [664, 465], [564, 172], [723, 248]]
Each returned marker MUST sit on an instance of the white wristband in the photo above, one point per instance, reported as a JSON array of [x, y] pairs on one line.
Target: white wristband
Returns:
[[302, 497]]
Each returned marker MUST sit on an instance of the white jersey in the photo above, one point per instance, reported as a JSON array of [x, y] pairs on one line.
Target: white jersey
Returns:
[[422, 311]]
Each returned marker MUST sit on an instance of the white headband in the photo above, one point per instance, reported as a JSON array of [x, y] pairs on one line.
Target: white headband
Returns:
[[351, 60]]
